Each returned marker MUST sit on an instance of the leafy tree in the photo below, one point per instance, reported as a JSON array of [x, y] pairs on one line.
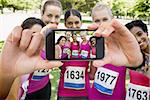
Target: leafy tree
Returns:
[[81, 5], [142, 9], [20, 4], [3, 3], [118, 8]]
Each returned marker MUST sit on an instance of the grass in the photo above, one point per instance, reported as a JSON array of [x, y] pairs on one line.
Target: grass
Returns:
[[54, 83], [1, 45]]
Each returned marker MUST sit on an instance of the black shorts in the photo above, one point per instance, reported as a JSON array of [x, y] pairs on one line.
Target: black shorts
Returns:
[[72, 98], [42, 94]]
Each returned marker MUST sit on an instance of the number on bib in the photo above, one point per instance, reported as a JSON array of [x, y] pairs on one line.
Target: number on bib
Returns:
[[66, 50], [137, 92], [84, 54], [39, 74], [74, 53], [105, 80], [74, 77]]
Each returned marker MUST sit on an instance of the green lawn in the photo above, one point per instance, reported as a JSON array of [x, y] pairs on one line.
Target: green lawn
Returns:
[[54, 83], [1, 44]]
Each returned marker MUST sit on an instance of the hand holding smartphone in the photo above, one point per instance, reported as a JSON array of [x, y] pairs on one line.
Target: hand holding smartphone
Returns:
[[73, 44]]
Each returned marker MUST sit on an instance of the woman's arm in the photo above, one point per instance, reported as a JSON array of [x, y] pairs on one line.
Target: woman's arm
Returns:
[[92, 71]]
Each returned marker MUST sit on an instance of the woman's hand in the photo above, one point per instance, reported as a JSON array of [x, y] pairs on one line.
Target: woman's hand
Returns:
[[122, 48]]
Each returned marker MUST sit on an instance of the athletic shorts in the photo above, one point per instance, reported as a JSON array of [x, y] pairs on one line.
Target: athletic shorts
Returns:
[[42, 94]]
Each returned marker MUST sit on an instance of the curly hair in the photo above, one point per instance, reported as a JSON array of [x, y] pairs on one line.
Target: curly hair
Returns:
[[137, 23]]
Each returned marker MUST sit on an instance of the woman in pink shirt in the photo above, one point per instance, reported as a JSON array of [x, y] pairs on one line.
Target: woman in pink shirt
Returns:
[[74, 80]]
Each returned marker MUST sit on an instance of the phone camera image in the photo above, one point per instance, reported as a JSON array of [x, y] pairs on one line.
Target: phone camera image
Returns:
[[65, 44]]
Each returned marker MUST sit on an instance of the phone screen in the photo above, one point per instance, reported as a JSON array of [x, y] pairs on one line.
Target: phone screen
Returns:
[[68, 44]]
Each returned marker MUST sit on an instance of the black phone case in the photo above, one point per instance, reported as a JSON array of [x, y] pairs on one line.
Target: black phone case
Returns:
[[50, 45]]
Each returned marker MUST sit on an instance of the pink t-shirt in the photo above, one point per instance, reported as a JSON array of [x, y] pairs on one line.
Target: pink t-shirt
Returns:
[[67, 92], [138, 87], [36, 81], [75, 50], [119, 92], [65, 50], [139, 78]]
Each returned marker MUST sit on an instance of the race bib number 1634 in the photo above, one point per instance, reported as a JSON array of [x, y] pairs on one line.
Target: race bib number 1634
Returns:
[[74, 77]]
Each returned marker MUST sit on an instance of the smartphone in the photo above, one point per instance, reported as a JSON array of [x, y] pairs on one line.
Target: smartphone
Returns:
[[73, 44]]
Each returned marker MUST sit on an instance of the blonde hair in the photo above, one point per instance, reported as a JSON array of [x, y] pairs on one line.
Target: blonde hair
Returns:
[[99, 7], [50, 2]]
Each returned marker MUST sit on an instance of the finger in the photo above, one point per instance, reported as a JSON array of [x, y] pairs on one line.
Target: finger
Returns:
[[42, 45], [107, 32], [123, 34], [49, 26], [35, 44], [15, 35], [120, 28], [52, 26], [104, 30], [25, 39], [105, 60], [45, 64], [93, 27], [100, 63]]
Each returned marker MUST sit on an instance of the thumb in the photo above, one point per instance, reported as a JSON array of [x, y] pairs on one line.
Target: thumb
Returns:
[[92, 26], [49, 26], [120, 28], [15, 35], [45, 64], [104, 61]]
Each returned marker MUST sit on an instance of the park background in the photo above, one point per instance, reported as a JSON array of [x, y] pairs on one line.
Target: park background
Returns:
[[14, 12]]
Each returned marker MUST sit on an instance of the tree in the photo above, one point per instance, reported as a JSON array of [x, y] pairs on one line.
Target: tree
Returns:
[[3, 4], [81, 5], [20, 4], [142, 9], [118, 8]]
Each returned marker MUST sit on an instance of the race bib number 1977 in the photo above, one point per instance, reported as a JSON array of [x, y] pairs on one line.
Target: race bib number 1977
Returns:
[[105, 80]]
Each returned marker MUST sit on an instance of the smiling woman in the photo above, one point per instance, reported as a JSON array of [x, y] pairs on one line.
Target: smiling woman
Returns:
[[140, 31]]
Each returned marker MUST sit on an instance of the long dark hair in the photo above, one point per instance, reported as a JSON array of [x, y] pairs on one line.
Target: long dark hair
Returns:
[[72, 12], [137, 23], [59, 39], [29, 22], [92, 38]]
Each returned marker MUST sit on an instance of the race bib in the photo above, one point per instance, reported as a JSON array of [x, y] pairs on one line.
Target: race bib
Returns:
[[74, 78], [66, 50], [39, 74], [25, 85], [84, 54], [92, 56], [137, 92], [25, 89], [105, 80], [75, 53]]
